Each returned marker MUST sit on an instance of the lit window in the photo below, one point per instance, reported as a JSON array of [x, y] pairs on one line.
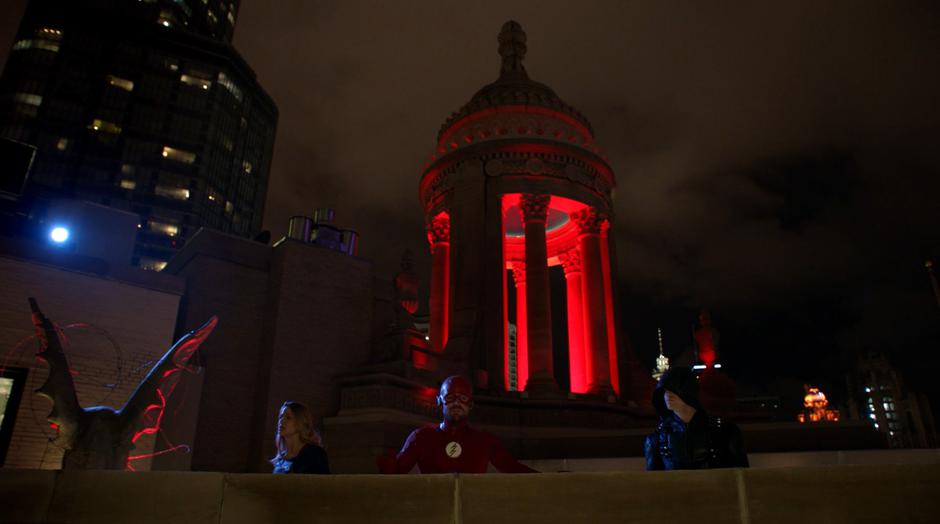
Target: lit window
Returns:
[[227, 83], [28, 98], [171, 64], [119, 82], [6, 391], [178, 155], [152, 264], [196, 82], [231, 18], [212, 18], [246, 165], [127, 169], [104, 126], [178, 193], [162, 227], [12, 381], [49, 33], [229, 207], [62, 144], [128, 184], [166, 19], [37, 44]]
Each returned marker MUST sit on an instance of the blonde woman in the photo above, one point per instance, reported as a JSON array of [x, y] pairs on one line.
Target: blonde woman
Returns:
[[298, 444]]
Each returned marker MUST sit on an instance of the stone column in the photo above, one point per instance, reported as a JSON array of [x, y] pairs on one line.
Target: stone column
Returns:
[[609, 306], [522, 334], [439, 237], [534, 209], [571, 262], [595, 311]]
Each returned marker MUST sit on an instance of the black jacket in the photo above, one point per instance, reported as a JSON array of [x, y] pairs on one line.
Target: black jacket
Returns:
[[705, 442]]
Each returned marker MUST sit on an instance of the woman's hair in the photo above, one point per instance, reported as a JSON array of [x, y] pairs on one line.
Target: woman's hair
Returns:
[[303, 420]]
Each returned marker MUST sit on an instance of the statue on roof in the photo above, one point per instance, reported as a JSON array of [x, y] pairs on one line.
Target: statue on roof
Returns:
[[101, 437], [512, 49]]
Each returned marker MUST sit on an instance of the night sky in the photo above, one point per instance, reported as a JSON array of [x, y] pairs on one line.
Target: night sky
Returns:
[[776, 164]]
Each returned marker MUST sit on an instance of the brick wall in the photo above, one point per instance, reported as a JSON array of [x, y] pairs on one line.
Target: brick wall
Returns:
[[140, 319]]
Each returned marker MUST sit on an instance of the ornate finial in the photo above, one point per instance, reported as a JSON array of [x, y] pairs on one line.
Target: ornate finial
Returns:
[[512, 48]]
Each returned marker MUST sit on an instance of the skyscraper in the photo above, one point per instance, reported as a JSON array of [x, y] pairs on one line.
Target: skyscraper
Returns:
[[142, 105]]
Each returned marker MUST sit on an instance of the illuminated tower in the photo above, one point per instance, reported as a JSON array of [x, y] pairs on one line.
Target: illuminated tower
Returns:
[[516, 187], [662, 363]]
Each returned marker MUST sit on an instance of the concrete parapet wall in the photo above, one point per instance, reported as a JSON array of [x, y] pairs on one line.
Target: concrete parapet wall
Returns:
[[832, 494]]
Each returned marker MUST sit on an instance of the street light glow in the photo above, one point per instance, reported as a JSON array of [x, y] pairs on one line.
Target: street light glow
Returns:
[[59, 234]]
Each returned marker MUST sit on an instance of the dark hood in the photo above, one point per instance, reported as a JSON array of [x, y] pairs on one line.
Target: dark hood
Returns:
[[680, 381]]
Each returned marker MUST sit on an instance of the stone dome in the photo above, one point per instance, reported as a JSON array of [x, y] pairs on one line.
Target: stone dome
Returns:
[[515, 88]]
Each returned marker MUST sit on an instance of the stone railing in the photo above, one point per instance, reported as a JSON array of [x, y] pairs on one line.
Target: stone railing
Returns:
[[886, 493]]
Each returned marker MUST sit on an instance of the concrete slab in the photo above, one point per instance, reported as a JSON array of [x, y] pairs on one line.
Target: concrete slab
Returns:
[[338, 498], [654, 497], [836, 494], [25, 495], [158, 497]]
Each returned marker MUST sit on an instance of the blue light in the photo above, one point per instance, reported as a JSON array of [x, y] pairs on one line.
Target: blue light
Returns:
[[59, 234]]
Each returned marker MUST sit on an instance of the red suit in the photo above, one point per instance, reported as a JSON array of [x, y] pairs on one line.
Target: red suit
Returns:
[[453, 448]]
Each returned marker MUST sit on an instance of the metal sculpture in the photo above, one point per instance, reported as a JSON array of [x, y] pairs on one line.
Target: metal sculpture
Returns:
[[101, 437]]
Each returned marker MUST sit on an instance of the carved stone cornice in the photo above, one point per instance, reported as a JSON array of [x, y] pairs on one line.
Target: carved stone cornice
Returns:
[[518, 273], [534, 207], [571, 261], [439, 230], [560, 165], [589, 220]]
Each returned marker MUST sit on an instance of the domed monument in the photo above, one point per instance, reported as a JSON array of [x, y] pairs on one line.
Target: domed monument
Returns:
[[517, 201], [517, 186]]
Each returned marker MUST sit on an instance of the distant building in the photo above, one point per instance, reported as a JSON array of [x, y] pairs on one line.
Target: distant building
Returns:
[[878, 393], [143, 106]]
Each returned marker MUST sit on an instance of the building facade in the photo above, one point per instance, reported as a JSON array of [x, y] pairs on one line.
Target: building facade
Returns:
[[878, 394], [145, 107]]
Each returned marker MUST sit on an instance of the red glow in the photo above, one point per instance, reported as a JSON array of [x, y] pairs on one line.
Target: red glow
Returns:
[[576, 346], [439, 238], [706, 347], [522, 336], [181, 357], [609, 307], [505, 283], [151, 418]]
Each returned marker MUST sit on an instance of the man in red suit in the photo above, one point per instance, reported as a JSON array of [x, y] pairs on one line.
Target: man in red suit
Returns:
[[452, 446]]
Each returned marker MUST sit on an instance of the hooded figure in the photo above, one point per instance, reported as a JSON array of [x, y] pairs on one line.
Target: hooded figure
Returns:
[[687, 437]]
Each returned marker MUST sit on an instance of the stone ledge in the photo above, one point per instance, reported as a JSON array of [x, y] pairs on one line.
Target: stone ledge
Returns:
[[881, 493]]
